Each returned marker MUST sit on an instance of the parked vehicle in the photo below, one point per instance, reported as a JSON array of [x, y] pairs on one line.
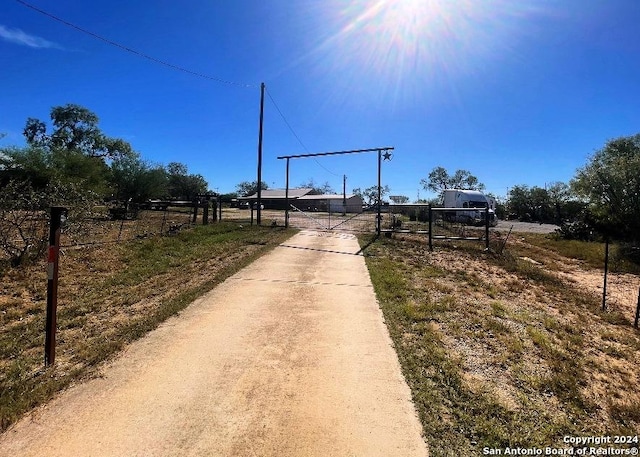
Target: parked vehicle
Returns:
[[474, 200]]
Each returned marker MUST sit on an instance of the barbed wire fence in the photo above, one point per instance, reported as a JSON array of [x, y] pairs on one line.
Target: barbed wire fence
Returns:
[[24, 233], [621, 291]]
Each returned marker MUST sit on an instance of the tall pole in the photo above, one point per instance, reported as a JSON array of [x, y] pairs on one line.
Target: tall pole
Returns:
[[286, 199], [379, 225], [344, 194], [258, 220]]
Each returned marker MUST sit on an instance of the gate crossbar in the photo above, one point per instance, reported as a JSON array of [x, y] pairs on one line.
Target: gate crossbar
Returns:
[[319, 154]]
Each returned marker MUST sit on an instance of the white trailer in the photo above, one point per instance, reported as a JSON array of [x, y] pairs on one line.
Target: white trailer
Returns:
[[474, 200]]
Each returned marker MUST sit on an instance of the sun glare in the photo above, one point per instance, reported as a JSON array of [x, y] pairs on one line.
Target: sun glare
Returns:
[[400, 45]]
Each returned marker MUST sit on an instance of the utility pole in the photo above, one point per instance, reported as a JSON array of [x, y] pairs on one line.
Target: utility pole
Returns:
[[259, 203], [344, 194]]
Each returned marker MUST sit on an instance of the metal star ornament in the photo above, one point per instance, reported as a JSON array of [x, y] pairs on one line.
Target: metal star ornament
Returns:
[[387, 155]]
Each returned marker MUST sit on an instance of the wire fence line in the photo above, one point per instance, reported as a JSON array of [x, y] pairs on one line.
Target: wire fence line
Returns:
[[620, 291], [24, 234], [146, 223]]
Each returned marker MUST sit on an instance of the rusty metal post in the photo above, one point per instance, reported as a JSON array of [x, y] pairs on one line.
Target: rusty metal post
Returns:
[[52, 284], [635, 323]]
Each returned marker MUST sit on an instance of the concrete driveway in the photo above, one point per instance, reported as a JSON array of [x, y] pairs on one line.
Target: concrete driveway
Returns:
[[289, 357]]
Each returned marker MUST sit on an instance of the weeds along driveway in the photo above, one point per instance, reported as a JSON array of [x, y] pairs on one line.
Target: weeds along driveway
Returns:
[[288, 357]]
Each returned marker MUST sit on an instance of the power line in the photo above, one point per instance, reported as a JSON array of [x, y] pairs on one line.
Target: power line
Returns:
[[133, 51], [296, 135]]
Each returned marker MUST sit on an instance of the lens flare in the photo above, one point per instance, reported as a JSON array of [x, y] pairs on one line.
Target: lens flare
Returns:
[[399, 46]]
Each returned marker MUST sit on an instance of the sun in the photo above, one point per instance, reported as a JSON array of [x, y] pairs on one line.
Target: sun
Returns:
[[399, 45], [399, 34]]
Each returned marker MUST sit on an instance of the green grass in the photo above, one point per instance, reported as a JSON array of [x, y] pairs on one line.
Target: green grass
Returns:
[[522, 356], [591, 253], [175, 270]]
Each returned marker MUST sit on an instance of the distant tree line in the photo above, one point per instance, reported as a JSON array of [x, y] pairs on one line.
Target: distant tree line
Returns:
[[601, 201], [76, 159], [73, 162]]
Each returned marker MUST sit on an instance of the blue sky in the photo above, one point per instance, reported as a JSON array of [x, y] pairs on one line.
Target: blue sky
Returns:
[[517, 92]]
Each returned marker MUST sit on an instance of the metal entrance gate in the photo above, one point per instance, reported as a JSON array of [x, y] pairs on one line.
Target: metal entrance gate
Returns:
[[334, 220]]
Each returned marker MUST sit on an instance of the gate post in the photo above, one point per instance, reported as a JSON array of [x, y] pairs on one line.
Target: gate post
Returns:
[[379, 222], [430, 227], [486, 226], [286, 199]]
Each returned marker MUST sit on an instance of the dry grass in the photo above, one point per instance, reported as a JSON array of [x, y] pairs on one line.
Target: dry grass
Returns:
[[109, 295], [502, 351]]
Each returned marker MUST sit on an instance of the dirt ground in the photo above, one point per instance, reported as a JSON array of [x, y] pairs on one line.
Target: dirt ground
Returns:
[[622, 289], [527, 227], [288, 357]]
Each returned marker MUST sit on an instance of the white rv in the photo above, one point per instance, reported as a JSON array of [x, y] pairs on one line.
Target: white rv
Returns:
[[472, 199]]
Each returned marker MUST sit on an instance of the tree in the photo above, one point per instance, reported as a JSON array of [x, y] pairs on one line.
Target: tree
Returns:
[[554, 204], [184, 185], [75, 129], [246, 188], [610, 183], [439, 180], [317, 189], [28, 164], [74, 153], [370, 194], [399, 199], [133, 179]]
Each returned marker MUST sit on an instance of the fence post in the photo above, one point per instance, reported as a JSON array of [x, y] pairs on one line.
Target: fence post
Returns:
[[606, 270], [195, 212], [486, 225], [214, 209], [251, 214], [635, 323], [205, 212], [430, 228], [164, 221], [220, 209], [52, 284]]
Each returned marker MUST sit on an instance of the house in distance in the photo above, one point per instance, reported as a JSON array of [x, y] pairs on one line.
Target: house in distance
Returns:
[[304, 200]]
